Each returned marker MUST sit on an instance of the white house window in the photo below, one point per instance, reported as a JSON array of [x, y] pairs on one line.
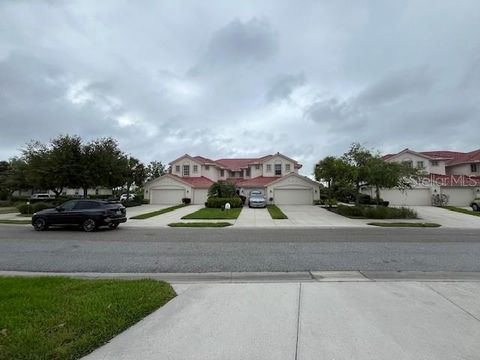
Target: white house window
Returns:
[[257, 167], [247, 172], [287, 167], [177, 168], [186, 170], [222, 173], [195, 168], [207, 167], [420, 165], [473, 167], [434, 162], [408, 163], [269, 167], [278, 169]]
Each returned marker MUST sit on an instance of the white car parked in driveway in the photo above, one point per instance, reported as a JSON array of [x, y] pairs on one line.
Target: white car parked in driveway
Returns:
[[475, 205], [124, 197]]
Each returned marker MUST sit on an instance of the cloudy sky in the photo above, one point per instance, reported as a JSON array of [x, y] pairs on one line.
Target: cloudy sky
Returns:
[[243, 78]]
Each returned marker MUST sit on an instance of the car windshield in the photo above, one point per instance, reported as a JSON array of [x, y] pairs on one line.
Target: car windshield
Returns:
[[256, 193]]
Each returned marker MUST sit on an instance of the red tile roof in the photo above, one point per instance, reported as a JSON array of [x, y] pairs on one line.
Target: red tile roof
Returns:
[[198, 182], [452, 157], [258, 181]]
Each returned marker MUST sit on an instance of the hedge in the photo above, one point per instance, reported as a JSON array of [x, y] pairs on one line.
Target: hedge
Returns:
[[376, 212], [33, 208], [214, 202]]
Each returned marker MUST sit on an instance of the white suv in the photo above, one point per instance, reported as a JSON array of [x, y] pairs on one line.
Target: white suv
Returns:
[[45, 196], [123, 197]]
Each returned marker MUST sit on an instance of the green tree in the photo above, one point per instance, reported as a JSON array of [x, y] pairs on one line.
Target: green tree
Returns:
[[222, 189], [135, 173], [154, 170]]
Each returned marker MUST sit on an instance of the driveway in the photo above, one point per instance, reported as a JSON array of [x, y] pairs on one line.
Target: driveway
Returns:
[[447, 218], [311, 215], [164, 219], [254, 218]]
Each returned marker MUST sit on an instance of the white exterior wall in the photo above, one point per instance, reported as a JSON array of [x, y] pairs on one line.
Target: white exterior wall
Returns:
[[187, 161], [278, 160], [463, 169], [254, 172], [428, 167], [212, 173], [166, 183], [293, 183]]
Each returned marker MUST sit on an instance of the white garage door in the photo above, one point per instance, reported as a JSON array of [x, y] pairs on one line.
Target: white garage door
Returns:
[[200, 196], [458, 196], [407, 197], [166, 196], [293, 196]]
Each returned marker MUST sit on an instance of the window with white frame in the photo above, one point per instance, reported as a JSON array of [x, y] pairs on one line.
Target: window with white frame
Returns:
[[257, 167], [269, 167], [207, 167], [287, 167], [420, 165], [186, 170], [434, 162], [278, 169], [222, 173], [177, 168], [473, 168], [195, 168]]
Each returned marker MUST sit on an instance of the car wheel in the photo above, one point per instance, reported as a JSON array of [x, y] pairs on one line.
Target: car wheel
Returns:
[[40, 224], [89, 225], [475, 207], [113, 226]]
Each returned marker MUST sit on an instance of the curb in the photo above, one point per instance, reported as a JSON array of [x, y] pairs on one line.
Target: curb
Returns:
[[247, 277]]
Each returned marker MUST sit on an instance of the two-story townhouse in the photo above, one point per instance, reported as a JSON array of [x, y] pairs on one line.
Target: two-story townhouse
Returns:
[[191, 176], [452, 173]]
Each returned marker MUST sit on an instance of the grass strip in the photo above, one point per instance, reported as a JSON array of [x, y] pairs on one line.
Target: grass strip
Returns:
[[156, 213], [200, 224], [405, 224], [17, 222], [276, 213], [463, 211], [63, 318], [214, 214], [8, 210]]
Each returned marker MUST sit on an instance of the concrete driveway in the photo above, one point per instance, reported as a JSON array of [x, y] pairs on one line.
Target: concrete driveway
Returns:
[[254, 218], [447, 218], [311, 215], [164, 219]]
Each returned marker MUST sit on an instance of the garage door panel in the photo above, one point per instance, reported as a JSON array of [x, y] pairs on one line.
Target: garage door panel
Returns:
[[200, 196], [407, 197], [167, 196], [458, 196], [293, 196]]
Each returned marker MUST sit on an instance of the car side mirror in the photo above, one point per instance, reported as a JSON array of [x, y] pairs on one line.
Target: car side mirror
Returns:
[[59, 208]]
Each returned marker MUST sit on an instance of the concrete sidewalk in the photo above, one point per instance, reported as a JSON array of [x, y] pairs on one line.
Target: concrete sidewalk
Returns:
[[309, 320]]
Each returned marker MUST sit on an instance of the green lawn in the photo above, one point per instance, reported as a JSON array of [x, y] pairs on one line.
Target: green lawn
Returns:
[[200, 224], [404, 224], [62, 318], [275, 212], [463, 211], [158, 212], [18, 222], [214, 213], [8, 210]]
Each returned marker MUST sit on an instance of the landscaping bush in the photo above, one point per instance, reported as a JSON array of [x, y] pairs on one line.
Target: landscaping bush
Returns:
[[186, 201], [132, 202], [376, 212], [213, 202], [364, 199], [145, 201], [30, 209], [5, 203]]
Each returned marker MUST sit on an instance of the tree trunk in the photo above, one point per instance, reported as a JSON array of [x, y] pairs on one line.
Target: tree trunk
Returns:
[[377, 194], [85, 192]]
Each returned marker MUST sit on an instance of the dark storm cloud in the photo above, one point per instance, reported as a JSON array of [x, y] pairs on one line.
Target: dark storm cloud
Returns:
[[283, 86]]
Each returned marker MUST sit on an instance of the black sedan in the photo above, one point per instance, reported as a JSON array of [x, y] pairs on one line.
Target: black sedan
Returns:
[[88, 214]]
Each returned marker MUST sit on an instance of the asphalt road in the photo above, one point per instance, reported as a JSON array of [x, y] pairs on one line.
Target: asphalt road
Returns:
[[218, 250]]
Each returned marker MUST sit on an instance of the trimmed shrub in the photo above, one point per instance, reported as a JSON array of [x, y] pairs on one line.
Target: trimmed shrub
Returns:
[[32, 208], [213, 202], [186, 201], [364, 199], [376, 212]]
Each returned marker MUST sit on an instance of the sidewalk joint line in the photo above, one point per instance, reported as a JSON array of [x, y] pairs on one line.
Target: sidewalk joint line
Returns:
[[453, 303], [298, 318]]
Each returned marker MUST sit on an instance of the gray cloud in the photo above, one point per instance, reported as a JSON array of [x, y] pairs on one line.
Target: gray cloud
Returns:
[[221, 79], [283, 86]]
